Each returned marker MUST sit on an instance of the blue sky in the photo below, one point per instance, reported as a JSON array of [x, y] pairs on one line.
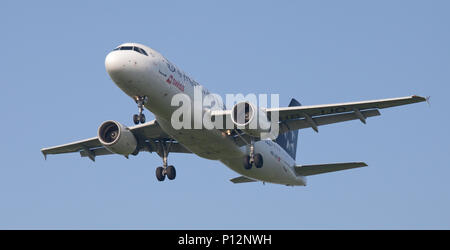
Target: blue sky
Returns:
[[55, 90]]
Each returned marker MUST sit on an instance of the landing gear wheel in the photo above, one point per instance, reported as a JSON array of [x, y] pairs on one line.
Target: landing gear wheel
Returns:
[[159, 174], [247, 163], [136, 119], [163, 150], [258, 161], [142, 118], [171, 172]]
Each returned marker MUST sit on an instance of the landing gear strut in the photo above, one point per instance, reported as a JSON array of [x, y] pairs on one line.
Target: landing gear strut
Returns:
[[140, 118], [253, 158], [165, 170]]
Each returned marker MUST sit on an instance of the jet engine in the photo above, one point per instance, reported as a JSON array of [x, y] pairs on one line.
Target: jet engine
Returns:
[[117, 138], [249, 119]]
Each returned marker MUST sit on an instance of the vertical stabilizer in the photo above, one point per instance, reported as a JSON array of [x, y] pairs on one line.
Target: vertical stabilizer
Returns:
[[288, 140]]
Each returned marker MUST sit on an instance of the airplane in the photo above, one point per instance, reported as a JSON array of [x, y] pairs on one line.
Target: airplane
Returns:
[[152, 81]]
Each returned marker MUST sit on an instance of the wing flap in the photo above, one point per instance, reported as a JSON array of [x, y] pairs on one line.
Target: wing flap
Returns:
[[306, 170]]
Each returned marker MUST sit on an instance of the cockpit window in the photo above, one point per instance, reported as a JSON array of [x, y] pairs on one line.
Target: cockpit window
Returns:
[[142, 51], [126, 48], [137, 49]]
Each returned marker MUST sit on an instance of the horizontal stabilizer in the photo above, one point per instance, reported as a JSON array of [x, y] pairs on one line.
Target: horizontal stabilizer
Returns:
[[241, 179], [305, 170]]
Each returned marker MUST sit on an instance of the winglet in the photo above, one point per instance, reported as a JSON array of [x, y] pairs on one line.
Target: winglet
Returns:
[[428, 100], [45, 155], [418, 98]]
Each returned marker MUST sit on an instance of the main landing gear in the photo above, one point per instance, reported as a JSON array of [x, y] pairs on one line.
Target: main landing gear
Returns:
[[253, 158], [140, 118], [169, 171]]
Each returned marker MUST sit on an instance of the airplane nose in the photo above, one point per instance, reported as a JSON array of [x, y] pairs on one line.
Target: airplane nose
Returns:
[[114, 64], [127, 69], [123, 67]]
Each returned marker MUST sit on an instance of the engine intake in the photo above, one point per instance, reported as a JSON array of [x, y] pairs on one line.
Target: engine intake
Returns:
[[117, 138], [243, 114], [246, 117]]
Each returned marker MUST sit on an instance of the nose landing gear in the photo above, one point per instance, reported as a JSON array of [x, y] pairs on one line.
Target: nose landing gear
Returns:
[[140, 118]]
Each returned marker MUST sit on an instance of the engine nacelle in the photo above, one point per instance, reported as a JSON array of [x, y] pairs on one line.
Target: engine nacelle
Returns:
[[249, 119], [117, 138]]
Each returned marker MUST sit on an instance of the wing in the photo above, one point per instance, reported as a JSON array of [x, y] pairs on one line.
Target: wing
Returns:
[[149, 135], [299, 117], [305, 170]]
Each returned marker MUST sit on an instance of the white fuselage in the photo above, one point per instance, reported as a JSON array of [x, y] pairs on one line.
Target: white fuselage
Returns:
[[158, 79]]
